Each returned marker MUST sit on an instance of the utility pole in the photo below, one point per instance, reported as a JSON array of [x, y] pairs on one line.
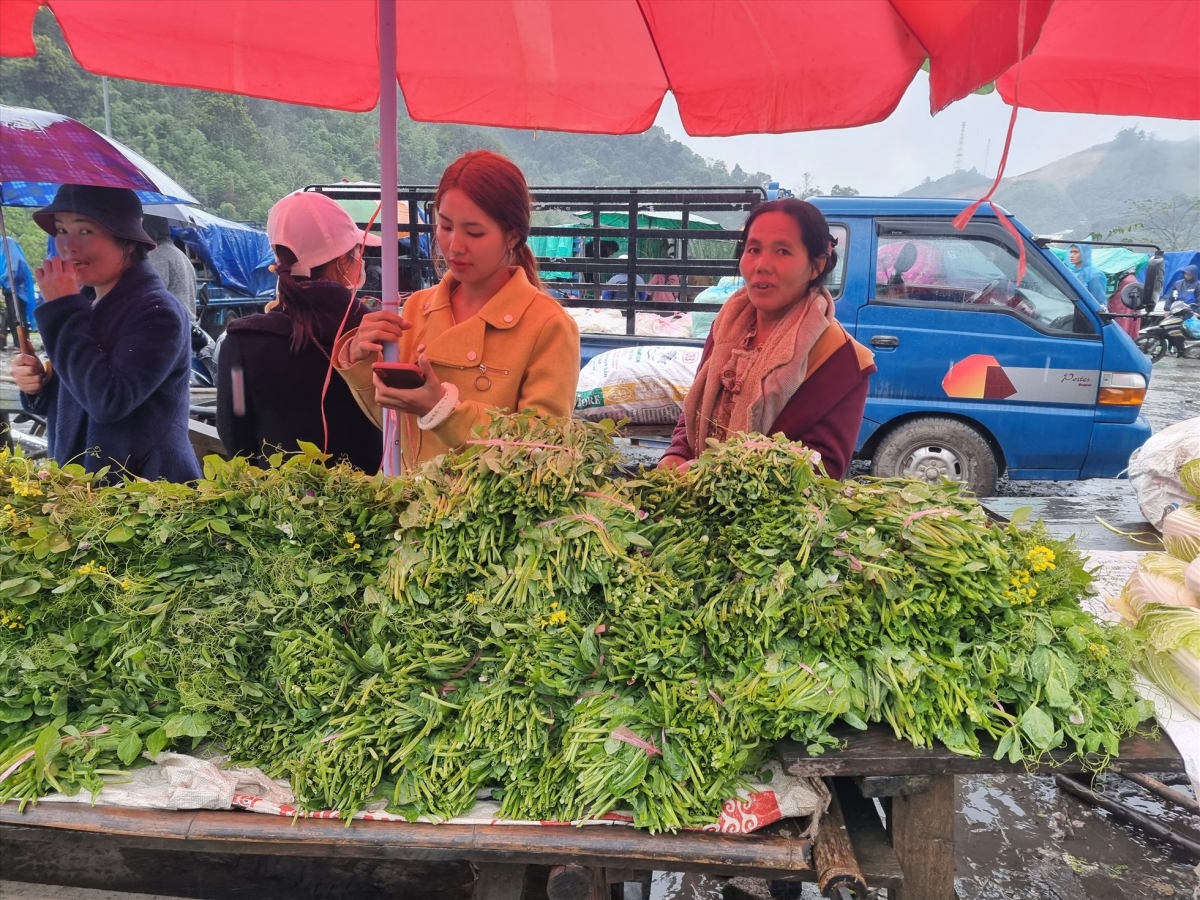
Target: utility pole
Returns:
[[107, 114], [958, 157]]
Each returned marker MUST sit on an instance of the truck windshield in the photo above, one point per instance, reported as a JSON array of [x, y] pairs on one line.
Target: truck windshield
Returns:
[[971, 271]]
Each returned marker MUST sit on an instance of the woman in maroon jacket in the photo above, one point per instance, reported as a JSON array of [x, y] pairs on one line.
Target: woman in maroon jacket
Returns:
[[776, 359]]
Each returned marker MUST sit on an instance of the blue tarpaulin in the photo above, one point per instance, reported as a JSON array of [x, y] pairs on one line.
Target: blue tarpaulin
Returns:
[[21, 272], [238, 254]]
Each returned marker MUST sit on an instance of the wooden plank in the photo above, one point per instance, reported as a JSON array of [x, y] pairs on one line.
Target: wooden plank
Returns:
[[876, 751], [833, 854], [571, 882], [872, 847], [499, 881], [922, 831], [52, 856], [205, 440], [777, 851], [891, 785]]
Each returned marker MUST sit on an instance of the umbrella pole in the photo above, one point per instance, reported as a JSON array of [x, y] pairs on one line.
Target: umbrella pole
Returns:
[[388, 195], [22, 330]]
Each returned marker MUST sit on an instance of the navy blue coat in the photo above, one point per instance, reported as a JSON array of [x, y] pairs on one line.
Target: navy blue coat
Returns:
[[119, 388]]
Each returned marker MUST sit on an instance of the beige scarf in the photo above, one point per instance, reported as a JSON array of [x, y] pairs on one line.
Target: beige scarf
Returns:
[[763, 385]]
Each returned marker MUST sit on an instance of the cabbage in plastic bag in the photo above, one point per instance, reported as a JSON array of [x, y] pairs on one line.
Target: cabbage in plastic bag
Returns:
[[1181, 532], [1158, 579], [1190, 476]]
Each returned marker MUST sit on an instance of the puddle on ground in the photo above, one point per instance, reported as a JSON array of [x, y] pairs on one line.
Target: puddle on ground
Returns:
[[1019, 838]]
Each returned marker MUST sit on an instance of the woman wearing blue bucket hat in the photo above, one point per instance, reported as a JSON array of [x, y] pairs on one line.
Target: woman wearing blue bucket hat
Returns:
[[116, 391]]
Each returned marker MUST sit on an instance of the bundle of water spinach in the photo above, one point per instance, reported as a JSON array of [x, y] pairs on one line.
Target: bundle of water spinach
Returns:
[[513, 617]]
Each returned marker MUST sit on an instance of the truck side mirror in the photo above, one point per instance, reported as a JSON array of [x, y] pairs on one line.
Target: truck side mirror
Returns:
[[1153, 286], [1131, 295]]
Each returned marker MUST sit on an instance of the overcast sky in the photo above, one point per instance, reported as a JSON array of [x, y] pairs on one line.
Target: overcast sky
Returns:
[[898, 153]]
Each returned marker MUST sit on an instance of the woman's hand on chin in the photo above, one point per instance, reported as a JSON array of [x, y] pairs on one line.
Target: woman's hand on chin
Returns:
[[57, 278]]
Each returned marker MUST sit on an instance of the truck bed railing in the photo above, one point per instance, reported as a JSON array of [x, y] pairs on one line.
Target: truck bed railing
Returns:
[[586, 269]]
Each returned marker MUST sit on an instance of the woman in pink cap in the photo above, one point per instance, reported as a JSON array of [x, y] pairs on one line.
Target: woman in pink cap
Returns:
[[274, 384]]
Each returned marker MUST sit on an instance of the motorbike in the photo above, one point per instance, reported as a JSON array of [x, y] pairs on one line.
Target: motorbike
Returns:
[[1177, 333], [204, 358]]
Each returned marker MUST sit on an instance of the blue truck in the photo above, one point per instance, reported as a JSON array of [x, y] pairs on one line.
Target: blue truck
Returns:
[[979, 373]]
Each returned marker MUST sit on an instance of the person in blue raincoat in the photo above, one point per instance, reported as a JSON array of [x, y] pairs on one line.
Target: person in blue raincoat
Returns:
[[23, 276], [1186, 288], [1080, 257]]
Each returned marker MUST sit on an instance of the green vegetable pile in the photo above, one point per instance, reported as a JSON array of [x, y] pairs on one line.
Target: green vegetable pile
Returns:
[[513, 617]]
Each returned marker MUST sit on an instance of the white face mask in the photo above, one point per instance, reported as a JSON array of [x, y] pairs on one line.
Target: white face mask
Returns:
[[362, 275]]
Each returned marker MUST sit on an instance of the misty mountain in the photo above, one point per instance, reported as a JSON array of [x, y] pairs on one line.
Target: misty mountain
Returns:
[[1088, 191]]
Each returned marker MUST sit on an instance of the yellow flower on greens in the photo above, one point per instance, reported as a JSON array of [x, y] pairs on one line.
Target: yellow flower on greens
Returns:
[[1040, 558]]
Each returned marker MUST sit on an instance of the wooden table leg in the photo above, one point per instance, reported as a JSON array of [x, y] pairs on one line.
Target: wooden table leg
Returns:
[[922, 831], [499, 881]]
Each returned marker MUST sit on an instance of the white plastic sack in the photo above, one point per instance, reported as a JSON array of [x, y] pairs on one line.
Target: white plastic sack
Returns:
[[597, 321], [646, 385], [176, 781], [678, 325], [1154, 469], [718, 293]]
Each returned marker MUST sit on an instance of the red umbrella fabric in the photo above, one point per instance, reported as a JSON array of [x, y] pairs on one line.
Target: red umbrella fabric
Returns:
[[569, 65], [1109, 58], [604, 65]]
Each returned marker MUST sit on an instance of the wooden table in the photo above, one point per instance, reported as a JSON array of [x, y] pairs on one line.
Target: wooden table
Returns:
[[213, 854], [232, 854], [917, 790]]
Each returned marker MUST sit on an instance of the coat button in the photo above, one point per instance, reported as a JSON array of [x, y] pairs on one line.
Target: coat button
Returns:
[[420, 348], [471, 355], [425, 308], [508, 318]]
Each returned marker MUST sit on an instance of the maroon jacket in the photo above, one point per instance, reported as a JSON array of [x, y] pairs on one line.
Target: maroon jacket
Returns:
[[825, 414]]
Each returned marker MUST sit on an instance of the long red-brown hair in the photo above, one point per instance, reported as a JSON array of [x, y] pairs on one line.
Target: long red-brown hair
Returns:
[[497, 186]]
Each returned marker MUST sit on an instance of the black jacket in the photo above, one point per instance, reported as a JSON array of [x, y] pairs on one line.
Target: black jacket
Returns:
[[120, 382], [283, 389]]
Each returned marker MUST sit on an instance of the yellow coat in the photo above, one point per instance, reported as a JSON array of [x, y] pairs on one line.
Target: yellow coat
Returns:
[[521, 351]]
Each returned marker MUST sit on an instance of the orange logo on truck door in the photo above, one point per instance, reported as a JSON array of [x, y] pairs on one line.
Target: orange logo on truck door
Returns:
[[981, 377]]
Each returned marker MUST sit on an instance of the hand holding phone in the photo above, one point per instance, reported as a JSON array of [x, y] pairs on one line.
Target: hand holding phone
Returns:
[[401, 376]]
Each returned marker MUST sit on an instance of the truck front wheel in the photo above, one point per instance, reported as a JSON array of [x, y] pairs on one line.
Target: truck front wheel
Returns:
[[934, 448]]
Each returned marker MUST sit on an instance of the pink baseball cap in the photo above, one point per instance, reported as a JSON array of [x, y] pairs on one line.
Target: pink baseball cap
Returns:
[[315, 228]]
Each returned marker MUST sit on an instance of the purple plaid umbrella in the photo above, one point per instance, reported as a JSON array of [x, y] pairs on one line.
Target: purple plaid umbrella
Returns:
[[41, 150]]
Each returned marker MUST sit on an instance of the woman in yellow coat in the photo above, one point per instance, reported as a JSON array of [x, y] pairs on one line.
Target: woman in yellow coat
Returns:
[[487, 337]]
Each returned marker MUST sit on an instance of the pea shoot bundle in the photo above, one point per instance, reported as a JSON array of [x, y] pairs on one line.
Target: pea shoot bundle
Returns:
[[512, 617]]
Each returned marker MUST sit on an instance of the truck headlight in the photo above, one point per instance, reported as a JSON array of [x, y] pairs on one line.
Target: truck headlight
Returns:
[[1122, 389]]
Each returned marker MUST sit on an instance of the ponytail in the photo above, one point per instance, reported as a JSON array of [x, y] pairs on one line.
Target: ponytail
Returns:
[[298, 299], [523, 256]]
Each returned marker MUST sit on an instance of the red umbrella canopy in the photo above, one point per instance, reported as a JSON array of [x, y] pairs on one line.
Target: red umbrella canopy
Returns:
[[1108, 57], [568, 65]]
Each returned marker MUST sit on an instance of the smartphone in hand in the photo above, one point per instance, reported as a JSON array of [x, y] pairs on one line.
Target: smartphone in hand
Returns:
[[402, 376]]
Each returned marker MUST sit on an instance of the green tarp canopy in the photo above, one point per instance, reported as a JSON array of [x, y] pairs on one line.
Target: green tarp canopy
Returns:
[[652, 219], [1110, 260]]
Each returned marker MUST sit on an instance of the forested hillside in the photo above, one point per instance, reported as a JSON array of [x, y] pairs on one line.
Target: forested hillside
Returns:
[[238, 155]]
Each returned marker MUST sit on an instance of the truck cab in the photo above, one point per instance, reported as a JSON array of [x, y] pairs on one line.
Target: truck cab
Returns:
[[979, 372]]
